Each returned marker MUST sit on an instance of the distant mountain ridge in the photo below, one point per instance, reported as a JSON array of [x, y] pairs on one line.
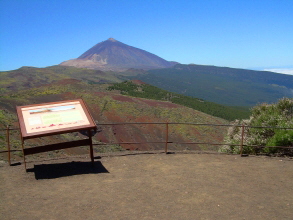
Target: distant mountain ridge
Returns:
[[117, 56]]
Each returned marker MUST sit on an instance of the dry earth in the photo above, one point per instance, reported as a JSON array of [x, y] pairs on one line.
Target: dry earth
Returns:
[[149, 186]]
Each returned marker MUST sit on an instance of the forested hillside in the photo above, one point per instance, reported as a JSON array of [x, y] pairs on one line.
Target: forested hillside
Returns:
[[227, 86], [143, 90]]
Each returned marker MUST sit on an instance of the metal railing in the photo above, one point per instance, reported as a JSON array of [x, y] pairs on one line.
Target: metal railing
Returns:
[[166, 141]]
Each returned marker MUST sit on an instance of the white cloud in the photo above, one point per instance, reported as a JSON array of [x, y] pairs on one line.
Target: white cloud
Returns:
[[288, 71]]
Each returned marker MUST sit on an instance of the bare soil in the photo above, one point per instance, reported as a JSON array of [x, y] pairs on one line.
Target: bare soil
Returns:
[[149, 186]]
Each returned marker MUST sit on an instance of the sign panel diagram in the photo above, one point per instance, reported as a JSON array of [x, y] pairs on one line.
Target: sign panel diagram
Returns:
[[53, 117]]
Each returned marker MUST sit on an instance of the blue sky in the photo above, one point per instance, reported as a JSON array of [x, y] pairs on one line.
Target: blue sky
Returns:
[[252, 34]]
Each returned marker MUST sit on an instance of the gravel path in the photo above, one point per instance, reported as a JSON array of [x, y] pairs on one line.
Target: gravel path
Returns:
[[153, 186]]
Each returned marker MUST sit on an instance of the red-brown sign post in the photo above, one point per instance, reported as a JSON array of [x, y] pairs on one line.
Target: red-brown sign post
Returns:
[[54, 118]]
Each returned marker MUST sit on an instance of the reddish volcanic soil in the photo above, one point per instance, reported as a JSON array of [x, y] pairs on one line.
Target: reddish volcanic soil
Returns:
[[123, 98], [159, 104], [138, 82]]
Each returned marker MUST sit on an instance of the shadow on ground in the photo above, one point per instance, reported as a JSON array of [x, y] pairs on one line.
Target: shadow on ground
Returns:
[[52, 171]]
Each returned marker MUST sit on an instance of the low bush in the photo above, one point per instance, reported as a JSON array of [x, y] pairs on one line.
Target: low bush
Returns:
[[268, 140]]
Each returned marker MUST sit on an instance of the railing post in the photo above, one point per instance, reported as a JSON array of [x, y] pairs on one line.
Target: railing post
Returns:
[[167, 135], [242, 137], [8, 144], [91, 146]]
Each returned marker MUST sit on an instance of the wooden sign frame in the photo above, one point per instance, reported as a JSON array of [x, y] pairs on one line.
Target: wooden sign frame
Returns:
[[55, 118]]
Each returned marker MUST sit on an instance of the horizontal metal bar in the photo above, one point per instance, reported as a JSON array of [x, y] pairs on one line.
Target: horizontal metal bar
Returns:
[[117, 143], [186, 123], [161, 142], [273, 147], [198, 143], [177, 123], [6, 151], [171, 142], [130, 123]]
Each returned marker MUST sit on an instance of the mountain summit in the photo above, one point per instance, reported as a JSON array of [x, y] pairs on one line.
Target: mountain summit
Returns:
[[114, 55]]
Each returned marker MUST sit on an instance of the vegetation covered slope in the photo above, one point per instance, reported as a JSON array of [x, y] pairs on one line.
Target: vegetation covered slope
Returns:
[[31, 77], [227, 86], [112, 107], [140, 89]]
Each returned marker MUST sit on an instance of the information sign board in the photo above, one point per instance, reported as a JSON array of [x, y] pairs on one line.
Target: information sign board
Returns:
[[54, 118]]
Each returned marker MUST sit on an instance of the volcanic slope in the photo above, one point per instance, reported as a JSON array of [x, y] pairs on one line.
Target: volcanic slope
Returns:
[[30, 77], [117, 56], [112, 107]]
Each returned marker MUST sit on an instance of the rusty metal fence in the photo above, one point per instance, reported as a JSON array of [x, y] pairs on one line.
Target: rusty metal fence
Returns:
[[6, 136]]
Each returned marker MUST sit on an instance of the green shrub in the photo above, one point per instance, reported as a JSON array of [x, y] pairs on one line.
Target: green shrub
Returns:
[[281, 138], [264, 140]]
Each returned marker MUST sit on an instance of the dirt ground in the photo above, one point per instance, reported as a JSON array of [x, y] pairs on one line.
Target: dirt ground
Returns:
[[149, 186]]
